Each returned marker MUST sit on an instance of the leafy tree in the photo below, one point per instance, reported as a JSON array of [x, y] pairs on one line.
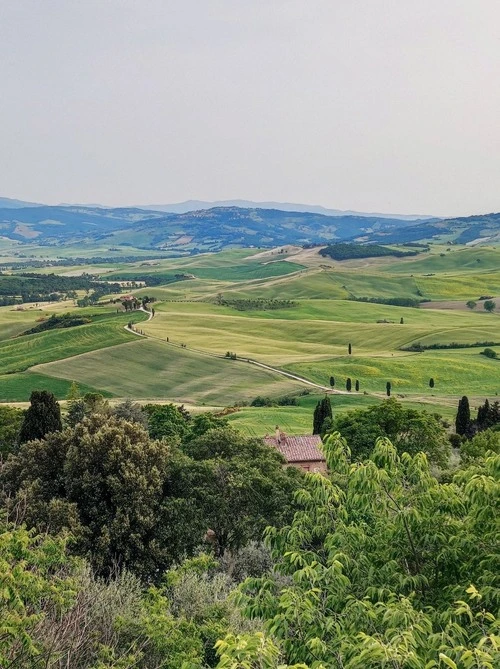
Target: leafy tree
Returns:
[[388, 388], [471, 304], [103, 481], [488, 415], [480, 445], [410, 430], [384, 567], [489, 306], [431, 382], [132, 412], [86, 406], [11, 420], [322, 411], [33, 582], [239, 485], [357, 386], [166, 420], [42, 416], [332, 381], [348, 384], [490, 353], [462, 420]]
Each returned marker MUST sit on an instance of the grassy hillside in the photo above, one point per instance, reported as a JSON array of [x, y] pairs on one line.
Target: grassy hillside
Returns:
[[150, 369], [309, 337]]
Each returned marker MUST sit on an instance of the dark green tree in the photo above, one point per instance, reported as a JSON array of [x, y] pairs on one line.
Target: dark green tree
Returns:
[[357, 386], [11, 420], [322, 411], [42, 416], [402, 321], [388, 388], [410, 430], [349, 349], [462, 420], [431, 383], [167, 420], [348, 384], [332, 381], [489, 306]]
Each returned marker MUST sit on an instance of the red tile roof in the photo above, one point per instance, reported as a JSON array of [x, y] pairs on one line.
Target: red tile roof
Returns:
[[298, 449]]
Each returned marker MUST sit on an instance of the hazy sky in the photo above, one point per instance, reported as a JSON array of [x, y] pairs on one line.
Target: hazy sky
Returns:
[[374, 105]]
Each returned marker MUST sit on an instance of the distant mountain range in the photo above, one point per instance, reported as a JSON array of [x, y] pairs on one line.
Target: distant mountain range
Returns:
[[479, 229], [197, 205], [222, 227]]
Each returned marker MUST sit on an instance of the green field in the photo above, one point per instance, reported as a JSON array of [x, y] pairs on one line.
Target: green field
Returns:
[[150, 369], [309, 339], [20, 353]]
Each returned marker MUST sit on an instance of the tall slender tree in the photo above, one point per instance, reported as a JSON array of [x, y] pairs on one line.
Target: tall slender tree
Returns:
[[388, 388], [322, 412], [462, 421], [348, 384]]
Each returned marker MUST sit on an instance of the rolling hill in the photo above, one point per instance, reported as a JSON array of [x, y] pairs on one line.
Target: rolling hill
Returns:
[[478, 229], [207, 229]]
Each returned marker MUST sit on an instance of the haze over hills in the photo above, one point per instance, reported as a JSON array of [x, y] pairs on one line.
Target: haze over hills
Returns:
[[196, 205], [223, 227], [211, 229], [481, 228]]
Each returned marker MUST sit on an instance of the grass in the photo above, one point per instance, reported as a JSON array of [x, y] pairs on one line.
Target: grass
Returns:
[[21, 353], [454, 372], [259, 421], [309, 339], [149, 369], [18, 387]]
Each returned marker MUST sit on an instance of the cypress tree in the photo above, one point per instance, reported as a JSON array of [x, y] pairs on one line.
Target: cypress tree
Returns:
[[332, 381], [349, 349], [42, 416], [322, 411], [357, 386], [462, 421], [431, 383], [388, 388], [348, 384]]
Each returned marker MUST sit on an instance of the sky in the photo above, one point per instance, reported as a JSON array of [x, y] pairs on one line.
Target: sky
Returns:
[[373, 105]]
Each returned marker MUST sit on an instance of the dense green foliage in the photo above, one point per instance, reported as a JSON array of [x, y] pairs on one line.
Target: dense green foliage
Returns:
[[463, 419], [323, 415], [258, 304], [62, 321], [143, 503], [344, 251], [410, 431], [385, 567], [42, 416], [47, 287], [11, 420]]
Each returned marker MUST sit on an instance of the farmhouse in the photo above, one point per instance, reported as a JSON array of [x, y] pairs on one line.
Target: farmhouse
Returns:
[[303, 452]]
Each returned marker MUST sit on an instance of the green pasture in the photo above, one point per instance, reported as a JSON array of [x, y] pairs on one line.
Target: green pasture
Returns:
[[259, 421], [18, 387], [21, 353], [456, 259], [314, 329], [455, 372], [154, 370]]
